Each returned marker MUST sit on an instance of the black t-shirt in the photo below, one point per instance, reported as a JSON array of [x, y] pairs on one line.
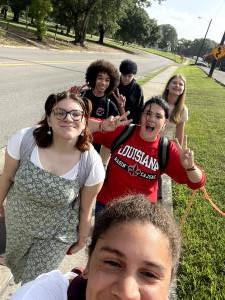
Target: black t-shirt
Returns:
[[134, 99], [102, 107]]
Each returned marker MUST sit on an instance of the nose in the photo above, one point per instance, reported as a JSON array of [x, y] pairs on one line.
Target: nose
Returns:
[[127, 288], [68, 117]]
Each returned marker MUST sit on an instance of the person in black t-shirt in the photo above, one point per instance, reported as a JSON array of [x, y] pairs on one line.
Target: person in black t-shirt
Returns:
[[102, 78], [129, 95]]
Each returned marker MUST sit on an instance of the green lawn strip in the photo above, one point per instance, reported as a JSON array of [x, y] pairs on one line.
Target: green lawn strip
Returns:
[[149, 76], [202, 271]]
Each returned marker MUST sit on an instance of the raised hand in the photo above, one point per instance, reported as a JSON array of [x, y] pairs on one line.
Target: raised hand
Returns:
[[111, 123], [79, 89], [186, 155], [121, 100]]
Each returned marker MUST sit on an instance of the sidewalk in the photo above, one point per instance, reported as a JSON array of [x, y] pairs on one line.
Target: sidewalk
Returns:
[[7, 286]]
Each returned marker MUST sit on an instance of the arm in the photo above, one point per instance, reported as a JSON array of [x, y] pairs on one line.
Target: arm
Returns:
[[88, 198], [180, 132], [6, 179], [109, 124], [182, 168]]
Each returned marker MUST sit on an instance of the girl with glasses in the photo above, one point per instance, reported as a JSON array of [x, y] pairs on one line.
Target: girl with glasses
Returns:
[[51, 178]]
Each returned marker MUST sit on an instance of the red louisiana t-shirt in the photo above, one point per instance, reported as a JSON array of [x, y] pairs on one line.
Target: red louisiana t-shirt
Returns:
[[134, 168]]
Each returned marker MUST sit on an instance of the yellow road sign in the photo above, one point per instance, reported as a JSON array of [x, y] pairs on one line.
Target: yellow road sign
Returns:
[[218, 51]]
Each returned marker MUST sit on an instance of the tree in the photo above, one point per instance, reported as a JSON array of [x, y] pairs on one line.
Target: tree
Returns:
[[101, 19], [17, 6], [168, 37], [196, 45], [79, 12], [137, 27], [104, 17], [40, 10]]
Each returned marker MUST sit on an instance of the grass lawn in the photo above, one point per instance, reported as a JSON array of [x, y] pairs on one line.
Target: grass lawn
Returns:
[[202, 271]]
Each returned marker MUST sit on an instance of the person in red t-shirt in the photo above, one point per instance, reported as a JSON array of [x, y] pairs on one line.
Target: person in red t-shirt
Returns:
[[134, 167]]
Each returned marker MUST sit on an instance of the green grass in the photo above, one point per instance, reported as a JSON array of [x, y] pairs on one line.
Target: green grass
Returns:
[[202, 270], [149, 76]]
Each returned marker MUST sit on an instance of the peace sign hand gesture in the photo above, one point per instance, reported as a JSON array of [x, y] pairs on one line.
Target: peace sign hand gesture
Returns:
[[121, 100], [186, 155]]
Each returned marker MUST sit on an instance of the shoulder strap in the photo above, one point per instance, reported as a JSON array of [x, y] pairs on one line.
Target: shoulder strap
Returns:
[[107, 108], [163, 152], [27, 145], [123, 137]]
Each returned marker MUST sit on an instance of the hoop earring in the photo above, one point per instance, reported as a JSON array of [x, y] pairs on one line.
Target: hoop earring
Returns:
[[49, 132]]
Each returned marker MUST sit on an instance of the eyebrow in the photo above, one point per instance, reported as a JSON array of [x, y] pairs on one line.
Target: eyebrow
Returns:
[[112, 250], [120, 254]]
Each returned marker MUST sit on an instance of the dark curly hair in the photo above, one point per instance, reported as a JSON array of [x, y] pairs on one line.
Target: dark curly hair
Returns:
[[102, 66], [44, 140], [128, 66], [137, 208]]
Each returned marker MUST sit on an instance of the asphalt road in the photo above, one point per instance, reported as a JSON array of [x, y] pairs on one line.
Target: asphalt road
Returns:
[[28, 76]]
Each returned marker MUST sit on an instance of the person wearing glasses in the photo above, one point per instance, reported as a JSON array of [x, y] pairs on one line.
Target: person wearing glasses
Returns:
[[51, 178], [134, 166]]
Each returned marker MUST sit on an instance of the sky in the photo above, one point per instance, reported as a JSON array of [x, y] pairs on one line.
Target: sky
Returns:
[[191, 18]]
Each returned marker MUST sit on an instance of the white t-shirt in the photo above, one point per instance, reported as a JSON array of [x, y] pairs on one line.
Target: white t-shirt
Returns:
[[96, 175], [48, 286], [170, 130]]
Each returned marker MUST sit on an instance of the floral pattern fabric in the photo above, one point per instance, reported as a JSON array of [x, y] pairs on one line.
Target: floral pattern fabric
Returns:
[[42, 215]]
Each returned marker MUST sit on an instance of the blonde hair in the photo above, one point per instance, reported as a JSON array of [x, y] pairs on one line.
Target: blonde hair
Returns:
[[179, 105]]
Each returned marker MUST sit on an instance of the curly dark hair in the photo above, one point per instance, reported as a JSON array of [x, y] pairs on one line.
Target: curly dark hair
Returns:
[[102, 66], [138, 208], [44, 140]]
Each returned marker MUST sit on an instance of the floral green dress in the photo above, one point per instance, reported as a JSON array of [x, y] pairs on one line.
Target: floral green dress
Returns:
[[42, 215]]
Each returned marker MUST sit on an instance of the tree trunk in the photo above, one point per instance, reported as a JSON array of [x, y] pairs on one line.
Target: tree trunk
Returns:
[[16, 15], [101, 34], [68, 30]]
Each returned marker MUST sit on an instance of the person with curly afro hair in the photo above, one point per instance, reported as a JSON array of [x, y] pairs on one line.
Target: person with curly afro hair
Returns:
[[102, 77]]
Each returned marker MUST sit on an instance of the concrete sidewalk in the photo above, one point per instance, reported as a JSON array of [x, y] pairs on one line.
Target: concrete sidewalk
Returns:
[[7, 286]]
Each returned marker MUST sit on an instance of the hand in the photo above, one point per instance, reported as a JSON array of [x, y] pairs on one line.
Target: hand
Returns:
[[111, 123], [2, 211], [76, 247], [186, 155], [121, 100], [78, 89]]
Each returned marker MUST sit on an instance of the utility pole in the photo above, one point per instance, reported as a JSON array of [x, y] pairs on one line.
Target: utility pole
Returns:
[[203, 42], [214, 62]]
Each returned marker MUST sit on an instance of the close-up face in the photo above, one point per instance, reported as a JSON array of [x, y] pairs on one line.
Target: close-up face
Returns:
[[102, 83], [176, 86], [126, 78], [130, 261], [152, 122], [67, 119]]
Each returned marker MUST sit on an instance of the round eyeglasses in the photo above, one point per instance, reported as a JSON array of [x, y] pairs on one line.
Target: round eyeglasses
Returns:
[[61, 114]]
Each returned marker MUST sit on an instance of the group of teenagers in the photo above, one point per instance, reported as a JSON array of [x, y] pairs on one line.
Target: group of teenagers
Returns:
[[54, 179]]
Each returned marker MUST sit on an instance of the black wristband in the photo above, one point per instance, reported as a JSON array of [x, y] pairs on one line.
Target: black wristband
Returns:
[[193, 168]]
